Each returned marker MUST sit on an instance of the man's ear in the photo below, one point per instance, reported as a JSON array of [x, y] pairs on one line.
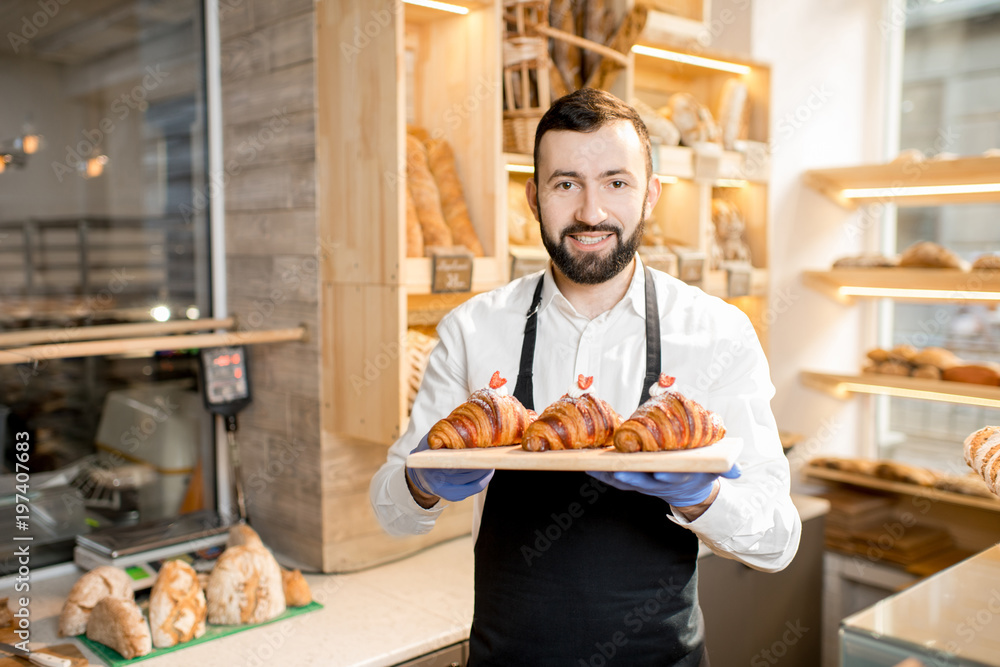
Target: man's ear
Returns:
[[653, 191], [531, 193]]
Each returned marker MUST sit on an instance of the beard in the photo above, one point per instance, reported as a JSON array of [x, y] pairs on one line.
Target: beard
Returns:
[[591, 268]]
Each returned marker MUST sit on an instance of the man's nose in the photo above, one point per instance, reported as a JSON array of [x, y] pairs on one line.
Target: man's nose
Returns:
[[591, 211]]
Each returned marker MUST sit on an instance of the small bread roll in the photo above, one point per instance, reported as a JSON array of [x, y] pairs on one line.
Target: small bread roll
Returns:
[[927, 372], [297, 593], [929, 255], [987, 262], [119, 623], [91, 588], [904, 353], [893, 367], [878, 355], [902, 472], [938, 357]]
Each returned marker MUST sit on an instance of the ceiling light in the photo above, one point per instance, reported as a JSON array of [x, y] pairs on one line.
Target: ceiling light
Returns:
[[697, 61], [443, 6], [919, 191], [904, 293]]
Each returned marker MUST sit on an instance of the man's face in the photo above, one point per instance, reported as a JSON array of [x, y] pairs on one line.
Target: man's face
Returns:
[[592, 197]]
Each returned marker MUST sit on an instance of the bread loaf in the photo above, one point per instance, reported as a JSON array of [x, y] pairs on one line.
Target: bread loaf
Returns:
[[732, 111], [896, 471], [893, 367], [982, 453], [693, 119], [241, 534], [426, 198], [297, 593], [927, 372], [245, 587], [414, 233], [982, 373], [91, 588], [119, 623], [441, 160], [938, 357], [903, 353], [866, 261], [989, 262], [878, 355], [929, 255], [177, 607]]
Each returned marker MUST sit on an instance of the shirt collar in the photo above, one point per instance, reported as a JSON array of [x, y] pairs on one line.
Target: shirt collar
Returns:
[[635, 295]]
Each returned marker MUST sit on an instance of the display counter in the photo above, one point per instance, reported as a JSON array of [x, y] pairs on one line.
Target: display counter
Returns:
[[387, 615], [951, 618]]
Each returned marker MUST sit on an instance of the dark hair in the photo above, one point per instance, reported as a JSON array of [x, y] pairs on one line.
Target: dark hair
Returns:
[[588, 110]]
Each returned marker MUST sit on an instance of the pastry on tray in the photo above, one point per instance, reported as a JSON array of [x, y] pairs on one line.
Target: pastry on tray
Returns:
[[490, 418], [578, 420], [667, 421]]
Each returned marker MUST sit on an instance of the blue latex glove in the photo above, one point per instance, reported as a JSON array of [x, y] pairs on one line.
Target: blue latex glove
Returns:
[[449, 483], [680, 489]]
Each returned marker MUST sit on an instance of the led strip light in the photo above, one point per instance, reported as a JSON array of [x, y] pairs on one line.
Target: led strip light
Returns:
[[904, 293], [697, 61], [443, 6], [901, 392], [919, 191]]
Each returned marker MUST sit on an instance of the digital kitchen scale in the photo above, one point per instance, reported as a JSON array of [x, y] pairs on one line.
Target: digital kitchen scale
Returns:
[[225, 385]]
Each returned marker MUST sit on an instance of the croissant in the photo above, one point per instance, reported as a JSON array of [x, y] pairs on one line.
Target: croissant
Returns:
[[982, 453], [487, 419], [572, 423], [669, 421]]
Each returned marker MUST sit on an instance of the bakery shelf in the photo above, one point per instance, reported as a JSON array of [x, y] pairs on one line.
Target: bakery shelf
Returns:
[[905, 283], [487, 273], [895, 182], [903, 386], [869, 482]]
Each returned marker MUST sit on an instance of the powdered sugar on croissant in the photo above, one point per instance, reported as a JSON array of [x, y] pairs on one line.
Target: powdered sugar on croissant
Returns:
[[982, 453], [668, 420], [578, 420], [489, 418]]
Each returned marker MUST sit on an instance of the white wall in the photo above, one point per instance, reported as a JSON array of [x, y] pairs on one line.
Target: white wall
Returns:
[[827, 104]]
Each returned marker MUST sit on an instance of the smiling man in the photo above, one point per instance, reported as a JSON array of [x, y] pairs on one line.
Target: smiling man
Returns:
[[577, 569]]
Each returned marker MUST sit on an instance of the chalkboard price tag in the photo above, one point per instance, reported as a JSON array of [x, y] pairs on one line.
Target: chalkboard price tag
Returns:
[[451, 270]]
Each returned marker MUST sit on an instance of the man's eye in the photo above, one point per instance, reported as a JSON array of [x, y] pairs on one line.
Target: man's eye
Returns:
[[618, 184], [565, 185]]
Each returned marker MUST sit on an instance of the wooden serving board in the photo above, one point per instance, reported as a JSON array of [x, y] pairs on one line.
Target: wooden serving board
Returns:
[[719, 457]]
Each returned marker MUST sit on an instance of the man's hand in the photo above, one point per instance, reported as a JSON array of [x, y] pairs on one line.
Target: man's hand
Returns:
[[689, 492], [428, 485]]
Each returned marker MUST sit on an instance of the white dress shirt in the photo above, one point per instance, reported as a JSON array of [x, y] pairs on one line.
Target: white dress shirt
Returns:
[[708, 345]]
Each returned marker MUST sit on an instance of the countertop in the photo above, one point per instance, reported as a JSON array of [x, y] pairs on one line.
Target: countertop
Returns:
[[374, 618]]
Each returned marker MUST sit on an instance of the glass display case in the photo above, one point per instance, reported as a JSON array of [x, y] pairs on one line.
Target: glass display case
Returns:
[[949, 619]]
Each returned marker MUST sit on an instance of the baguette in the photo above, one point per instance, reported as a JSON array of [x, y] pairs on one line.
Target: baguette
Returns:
[[426, 198], [414, 233], [441, 160]]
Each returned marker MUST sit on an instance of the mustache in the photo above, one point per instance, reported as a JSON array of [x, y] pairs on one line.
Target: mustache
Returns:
[[580, 228]]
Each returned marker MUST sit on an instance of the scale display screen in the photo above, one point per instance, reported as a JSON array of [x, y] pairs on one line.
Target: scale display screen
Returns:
[[225, 381]]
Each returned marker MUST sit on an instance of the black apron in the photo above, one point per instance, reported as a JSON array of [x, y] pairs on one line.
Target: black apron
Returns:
[[571, 572]]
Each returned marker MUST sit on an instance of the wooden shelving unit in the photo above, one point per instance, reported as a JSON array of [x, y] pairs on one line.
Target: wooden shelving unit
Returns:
[[894, 177], [441, 72], [906, 283], [868, 482], [842, 386]]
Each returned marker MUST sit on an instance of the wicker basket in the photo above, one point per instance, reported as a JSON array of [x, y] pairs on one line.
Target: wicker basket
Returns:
[[519, 132]]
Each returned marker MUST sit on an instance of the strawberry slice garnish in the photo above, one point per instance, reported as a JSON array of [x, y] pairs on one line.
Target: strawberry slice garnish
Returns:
[[584, 382], [496, 381], [666, 380]]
